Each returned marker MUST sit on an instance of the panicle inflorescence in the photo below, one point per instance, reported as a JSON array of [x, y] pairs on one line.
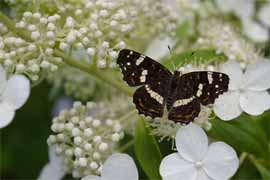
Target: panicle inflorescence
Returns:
[[166, 129], [84, 140], [94, 29], [222, 37], [35, 56]]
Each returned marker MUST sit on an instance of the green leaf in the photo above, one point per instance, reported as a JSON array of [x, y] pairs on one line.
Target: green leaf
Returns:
[[244, 134], [182, 31], [193, 56], [147, 150], [247, 171], [264, 121], [264, 172]]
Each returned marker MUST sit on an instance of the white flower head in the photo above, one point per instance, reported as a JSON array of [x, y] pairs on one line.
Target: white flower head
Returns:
[[117, 167], [13, 94], [54, 169], [196, 160], [247, 92], [258, 31]]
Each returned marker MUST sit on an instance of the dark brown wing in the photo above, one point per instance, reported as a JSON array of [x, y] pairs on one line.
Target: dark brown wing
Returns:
[[206, 85], [138, 69], [193, 89], [183, 105], [147, 104]]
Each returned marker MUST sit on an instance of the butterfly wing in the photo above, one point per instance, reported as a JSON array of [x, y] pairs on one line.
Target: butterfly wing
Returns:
[[182, 105], [193, 89], [206, 85], [138, 70]]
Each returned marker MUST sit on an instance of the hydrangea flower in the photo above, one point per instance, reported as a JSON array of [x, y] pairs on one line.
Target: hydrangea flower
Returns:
[[258, 31], [247, 92], [83, 139], [196, 160], [117, 167], [53, 170], [13, 94], [245, 10]]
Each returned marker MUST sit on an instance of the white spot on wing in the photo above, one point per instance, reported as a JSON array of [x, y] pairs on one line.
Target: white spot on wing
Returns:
[[182, 102], [210, 77], [199, 92], [154, 95], [140, 60]]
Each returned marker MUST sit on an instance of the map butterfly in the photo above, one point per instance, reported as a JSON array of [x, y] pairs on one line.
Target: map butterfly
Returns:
[[182, 94]]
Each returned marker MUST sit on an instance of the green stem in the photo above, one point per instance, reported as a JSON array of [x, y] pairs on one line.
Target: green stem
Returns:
[[92, 70], [126, 146], [242, 158], [69, 60]]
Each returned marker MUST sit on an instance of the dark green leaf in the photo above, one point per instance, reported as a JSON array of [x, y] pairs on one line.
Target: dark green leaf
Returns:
[[147, 150], [244, 134], [247, 171], [265, 173]]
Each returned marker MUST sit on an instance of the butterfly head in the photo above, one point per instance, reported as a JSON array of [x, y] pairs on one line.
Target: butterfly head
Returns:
[[177, 73]]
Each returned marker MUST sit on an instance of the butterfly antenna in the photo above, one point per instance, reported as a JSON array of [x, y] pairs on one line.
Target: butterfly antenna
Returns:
[[173, 65]]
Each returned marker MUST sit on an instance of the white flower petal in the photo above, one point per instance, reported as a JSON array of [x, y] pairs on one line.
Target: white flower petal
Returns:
[[221, 161], [174, 167], [119, 167], [225, 6], [257, 76], [201, 175], [6, 114], [90, 177], [17, 91], [55, 160], [227, 106], [255, 103], [233, 70], [241, 8], [158, 48], [264, 14], [3, 79], [244, 8], [254, 31], [49, 172], [191, 142]]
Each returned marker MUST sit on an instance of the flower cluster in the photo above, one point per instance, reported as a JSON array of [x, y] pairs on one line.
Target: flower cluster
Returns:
[[255, 22], [83, 140], [33, 57], [224, 39]]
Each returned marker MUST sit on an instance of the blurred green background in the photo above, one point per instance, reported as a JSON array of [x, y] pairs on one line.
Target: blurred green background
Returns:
[[24, 150]]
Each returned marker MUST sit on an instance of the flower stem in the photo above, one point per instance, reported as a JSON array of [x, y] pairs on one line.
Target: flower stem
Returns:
[[126, 146], [69, 60], [92, 70], [242, 158]]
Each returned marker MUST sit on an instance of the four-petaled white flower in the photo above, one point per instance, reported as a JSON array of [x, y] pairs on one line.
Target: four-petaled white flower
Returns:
[[247, 92], [117, 167], [195, 160], [13, 94], [54, 169]]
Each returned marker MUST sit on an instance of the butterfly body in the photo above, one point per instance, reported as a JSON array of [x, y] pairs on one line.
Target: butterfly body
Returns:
[[182, 94]]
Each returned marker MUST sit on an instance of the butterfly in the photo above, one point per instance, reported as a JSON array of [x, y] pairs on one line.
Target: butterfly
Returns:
[[183, 94]]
